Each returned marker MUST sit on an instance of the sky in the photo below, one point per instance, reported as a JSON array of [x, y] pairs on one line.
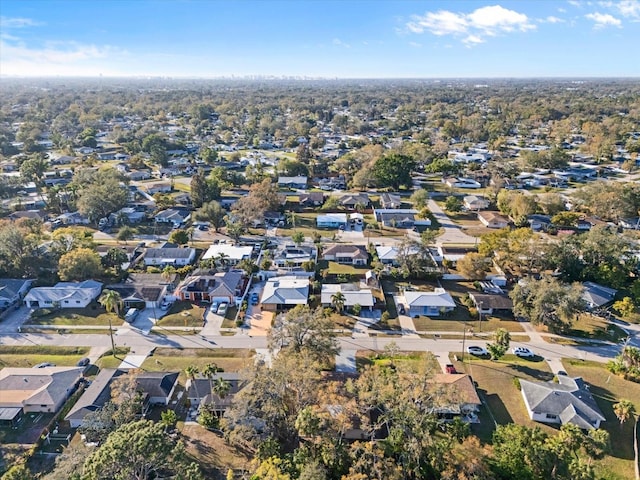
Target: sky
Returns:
[[320, 38]]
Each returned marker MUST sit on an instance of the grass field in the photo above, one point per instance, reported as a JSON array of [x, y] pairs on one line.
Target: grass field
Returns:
[[608, 390], [28, 356], [335, 268], [94, 315], [170, 359], [183, 314], [108, 360], [417, 360], [489, 324], [593, 327]]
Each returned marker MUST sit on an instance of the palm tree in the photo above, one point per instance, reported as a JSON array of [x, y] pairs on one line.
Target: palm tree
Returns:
[[337, 301], [624, 410], [209, 371], [192, 372], [221, 387], [223, 259], [168, 272], [112, 302]]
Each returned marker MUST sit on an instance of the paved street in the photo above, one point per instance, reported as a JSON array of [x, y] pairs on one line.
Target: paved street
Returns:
[[452, 232]]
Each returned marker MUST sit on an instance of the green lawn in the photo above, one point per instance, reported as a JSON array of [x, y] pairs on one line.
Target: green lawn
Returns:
[[169, 359], [108, 360], [183, 314], [415, 360], [608, 390], [94, 315], [593, 327], [335, 268], [28, 356]]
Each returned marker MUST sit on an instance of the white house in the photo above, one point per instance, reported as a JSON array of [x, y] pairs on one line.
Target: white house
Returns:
[[293, 182], [64, 295], [281, 293], [475, 202], [331, 220], [353, 295], [429, 303], [169, 256], [232, 254], [455, 182], [493, 220]]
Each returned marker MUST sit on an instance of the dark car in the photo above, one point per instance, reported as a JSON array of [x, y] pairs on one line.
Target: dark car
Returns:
[[255, 299], [450, 368], [83, 362], [401, 310]]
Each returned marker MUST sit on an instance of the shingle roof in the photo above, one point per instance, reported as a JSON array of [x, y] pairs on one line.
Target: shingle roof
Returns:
[[156, 384], [169, 252], [354, 251], [288, 290], [36, 386], [9, 287], [96, 395], [438, 298]]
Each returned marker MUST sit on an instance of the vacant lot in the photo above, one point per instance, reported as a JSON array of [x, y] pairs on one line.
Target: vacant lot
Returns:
[[94, 314], [174, 359], [28, 356], [418, 361], [608, 390], [109, 360]]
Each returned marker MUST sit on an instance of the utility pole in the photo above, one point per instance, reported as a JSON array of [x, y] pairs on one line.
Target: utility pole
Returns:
[[480, 316]]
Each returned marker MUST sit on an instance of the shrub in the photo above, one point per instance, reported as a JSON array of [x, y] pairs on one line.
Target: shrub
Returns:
[[516, 383], [386, 316]]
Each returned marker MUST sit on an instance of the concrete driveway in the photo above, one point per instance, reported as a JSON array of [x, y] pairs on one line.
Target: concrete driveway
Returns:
[[14, 319]]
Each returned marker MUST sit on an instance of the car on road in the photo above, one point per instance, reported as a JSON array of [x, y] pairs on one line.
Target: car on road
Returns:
[[255, 299], [478, 351], [523, 352], [44, 365], [222, 309], [450, 368], [562, 372], [401, 309]]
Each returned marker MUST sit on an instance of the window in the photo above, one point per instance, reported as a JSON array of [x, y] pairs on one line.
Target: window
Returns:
[[77, 301], [551, 417]]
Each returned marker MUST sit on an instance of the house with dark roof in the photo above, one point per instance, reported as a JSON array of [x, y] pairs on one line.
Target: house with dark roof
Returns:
[[209, 286], [293, 182], [489, 304], [311, 199], [390, 200], [348, 254], [94, 397], [596, 295], [351, 200], [158, 387], [568, 401], [144, 290], [199, 391], [169, 256], [13, 290]]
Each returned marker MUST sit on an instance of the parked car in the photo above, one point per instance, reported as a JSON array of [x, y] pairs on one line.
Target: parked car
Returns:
[[449, 368], [478, 351], [401, 309], [131, 315], [523, 352], [83, 362], [203, 228], [44, 365], [166, 305], [255, 299], [222, 309], [214, 307], [562, 372]]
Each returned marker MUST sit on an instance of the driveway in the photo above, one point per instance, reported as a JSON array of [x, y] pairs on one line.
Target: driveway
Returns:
[[14, 319], [452, 232]]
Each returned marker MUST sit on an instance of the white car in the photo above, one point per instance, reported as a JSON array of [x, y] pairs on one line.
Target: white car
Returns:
[[478, 351], [523, 352]]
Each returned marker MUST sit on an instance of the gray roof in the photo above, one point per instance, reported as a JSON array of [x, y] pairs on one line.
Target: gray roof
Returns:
[[36, 386], [157, 384], [169, 252], [570, 399], [498, 302], [353, 251], [597, 295], [201, 389], [288, 290], [96, 396], [9, 287]]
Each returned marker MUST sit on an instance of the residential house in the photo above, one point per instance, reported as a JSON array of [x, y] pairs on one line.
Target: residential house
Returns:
[[311, 199], [64, 295], [431, 304], [162, 187], [353, 200], [70, 218], [40, 390], [30, 214], [455, 182], [299, 182], [539, 222], [208, 286], [489, 304], [353, 295], [400, 217], [175, 215], [138, 175], [12, 291], [227, 254], [145, 290], [493, 220], [199, 391], [331, 220], [290, 256], [475, 202], [178, 257], [355, 255], [157, 387], [461, 398], [131, 214], [596, 295], [281, 293], [568, 401], [94, 397], [390, 200], [387, 255]]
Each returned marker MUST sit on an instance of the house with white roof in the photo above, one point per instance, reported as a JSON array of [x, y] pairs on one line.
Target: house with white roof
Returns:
[[430, 304], [331, 220], [229, 254], [281, 293], [353, 295], [293, 182], [169, 256], [64, 295]]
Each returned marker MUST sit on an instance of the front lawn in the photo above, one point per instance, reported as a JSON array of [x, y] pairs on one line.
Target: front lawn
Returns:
[[594, 327], [177, 359], [28, 356], [417, 361], [334, 268], [489, 324], [94, 315], [183, 314]]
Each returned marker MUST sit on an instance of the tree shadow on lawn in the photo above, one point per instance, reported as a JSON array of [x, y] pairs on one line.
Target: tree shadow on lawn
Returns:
[[496, 406], [533, 372]]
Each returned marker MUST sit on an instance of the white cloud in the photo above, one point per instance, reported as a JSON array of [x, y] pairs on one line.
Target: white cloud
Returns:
[[340, 43], [603, 20], [472, 27], [17, 22], [552, 19], [629, 9]]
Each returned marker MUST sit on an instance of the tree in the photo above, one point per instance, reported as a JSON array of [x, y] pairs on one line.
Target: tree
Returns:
[[114, 258], [248, 265], [419, 198], [548, 302], [474, 266], [501, 344], [337, 301], [204, 190], [112, 302], [101, 192], [192, 373], [262, 197], [79, 264], [625, 307], [139, 450], [292, 168], [169, 418], [18, 472], [180, 237], [304, 330], [394, 170], [298, 238], [211, 212], [624, 410], [33, 168], [125, 234], [68, 238], [453, 204]]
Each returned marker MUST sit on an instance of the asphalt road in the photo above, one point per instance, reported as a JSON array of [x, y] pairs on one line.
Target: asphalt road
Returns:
[[452, 232]]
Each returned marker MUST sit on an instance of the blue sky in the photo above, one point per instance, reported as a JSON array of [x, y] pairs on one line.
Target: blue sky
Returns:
[[330, 38]]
